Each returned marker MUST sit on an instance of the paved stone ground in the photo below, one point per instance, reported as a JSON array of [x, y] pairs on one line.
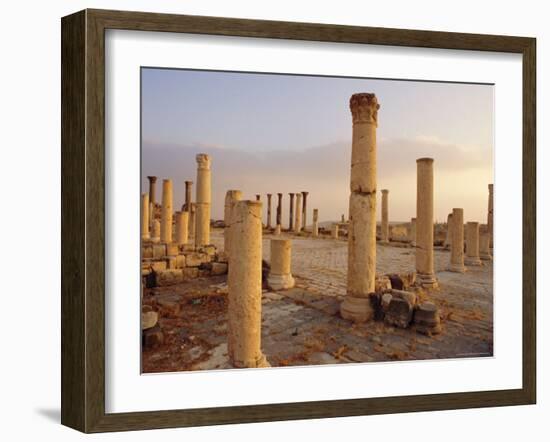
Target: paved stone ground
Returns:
[[302, 326]]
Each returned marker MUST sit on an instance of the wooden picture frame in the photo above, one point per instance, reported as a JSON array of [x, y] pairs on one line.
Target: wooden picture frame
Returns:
[[83, 219]]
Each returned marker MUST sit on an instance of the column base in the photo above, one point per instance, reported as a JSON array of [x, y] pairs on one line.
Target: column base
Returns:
[[473, 261], [356, 309], [458, 268], [280, 282], [261, 362], [277, 230], [427, 280], [486, 257]]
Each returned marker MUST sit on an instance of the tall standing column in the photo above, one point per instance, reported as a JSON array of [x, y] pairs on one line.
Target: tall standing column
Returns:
[[269, 211], [167, 212], [231, 198], [448, 236], [362, 210], [298, 215], [280, 277], [192, 213], [412, 232], [456, 228], [315, 228], [145, 216], [425, 223], [152, 189], [291, 212], [472, 244], [279, 209], [490, 216], [385, 225], [245, 287], [484, 248], [188, 193], [304, 210], [182, 228], [202, 217]]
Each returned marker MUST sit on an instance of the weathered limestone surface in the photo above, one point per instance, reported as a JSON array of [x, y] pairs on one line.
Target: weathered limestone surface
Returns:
[[472, 244], [425, 223], [277, 230], [231, 198], [362, 210], [412, 232], [315, 229], [279, 208], [182, 228], [268, 210], [298, 215], [291, 212], [484, 244], [427, 320], [204, 195], [385, 226], [145, 216], [167, 211], [152, 189], [245, 287], [457, 241], [448, 237], [155, 237], [280, 277], [304, 210], [334, 230]]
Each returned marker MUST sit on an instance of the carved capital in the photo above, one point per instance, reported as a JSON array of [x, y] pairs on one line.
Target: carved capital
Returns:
[[203, 161], [364, 108]]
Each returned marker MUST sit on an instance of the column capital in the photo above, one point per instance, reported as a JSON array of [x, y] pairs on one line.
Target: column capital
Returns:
[[203, 161], [187, 183], [279, 195], [425, 160], [364, 108], [305, 193], [152, 179], [290, 193], [385, 191], [490, 188], [269, 195]]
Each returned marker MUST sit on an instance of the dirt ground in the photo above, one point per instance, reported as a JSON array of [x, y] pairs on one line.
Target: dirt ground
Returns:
[[302, 326]]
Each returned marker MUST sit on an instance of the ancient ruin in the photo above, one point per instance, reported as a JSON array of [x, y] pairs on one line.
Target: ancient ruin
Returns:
[[385, 226], [457, 241], [472, 244], [202, 216]]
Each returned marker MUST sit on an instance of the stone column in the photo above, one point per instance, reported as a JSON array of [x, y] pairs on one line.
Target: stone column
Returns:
[[258, 197], [425, 223], [152, 189], [188, 192], [151, 215], [167, 212], [279, 209], [385, 225], [412, 232], [334, 230], [484, 240], [280, 277], [298, 215], [182, 228], [362, 210], [192, 213], [145, 216], [245, 287], [315, 229], [277, 230], [342, 219], [490, 216], [472, 244], [291, 213], [231, 198], [269, 211], [156, 231], [202, 217], [448, 237], [304, 210], [456, 227]]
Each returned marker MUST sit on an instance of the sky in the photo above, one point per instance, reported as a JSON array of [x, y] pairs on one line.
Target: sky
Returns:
[[269, 133]]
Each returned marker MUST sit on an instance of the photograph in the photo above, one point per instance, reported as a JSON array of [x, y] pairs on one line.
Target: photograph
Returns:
[[304, 220]]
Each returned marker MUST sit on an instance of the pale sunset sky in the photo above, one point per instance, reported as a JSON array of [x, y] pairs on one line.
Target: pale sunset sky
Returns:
[[269, 133]]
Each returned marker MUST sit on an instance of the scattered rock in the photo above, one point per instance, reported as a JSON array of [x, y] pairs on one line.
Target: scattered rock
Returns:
[[410, 297], [153, 337], [385, 301], [169, 277], [149, 319], [219, 268], [426, 319], [400, 313], [169, 305]]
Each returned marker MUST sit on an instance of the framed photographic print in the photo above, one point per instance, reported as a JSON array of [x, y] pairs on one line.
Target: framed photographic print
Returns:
[[270, 220]]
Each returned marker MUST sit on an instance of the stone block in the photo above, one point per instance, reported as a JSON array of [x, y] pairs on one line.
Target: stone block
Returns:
[[159, 251], [169, 305], [219, 268], [190, 272], [410, 297], [180, 261], [195, 259], [149, 319], [399, 313], [385, 301], [172, 249], [153, 337], [159, 266], [382, 284], [402, 281], [427, 319], [169, 277], [171, 263], [210, 250], [147, 252]]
